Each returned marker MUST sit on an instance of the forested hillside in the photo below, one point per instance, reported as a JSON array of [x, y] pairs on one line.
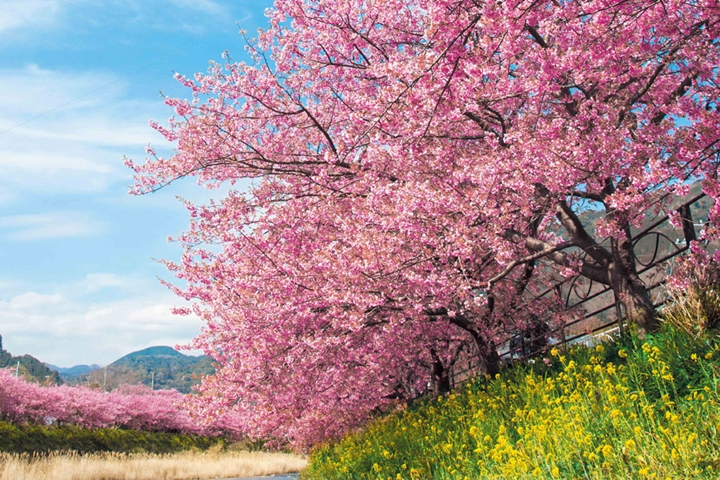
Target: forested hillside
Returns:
[[159, 367], [30, 367]]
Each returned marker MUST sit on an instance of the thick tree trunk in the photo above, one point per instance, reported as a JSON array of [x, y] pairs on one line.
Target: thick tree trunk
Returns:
[[630, 290], [440, 377], [492, 363], [487, 350], [488, 356]]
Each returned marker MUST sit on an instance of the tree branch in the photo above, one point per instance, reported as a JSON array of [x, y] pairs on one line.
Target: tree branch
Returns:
[[677, 93], [580, 237], [538, 38], [596, 197], [530, 258], [593, 272]]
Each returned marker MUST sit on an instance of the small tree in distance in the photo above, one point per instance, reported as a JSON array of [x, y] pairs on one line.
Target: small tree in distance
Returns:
[[418, 169]]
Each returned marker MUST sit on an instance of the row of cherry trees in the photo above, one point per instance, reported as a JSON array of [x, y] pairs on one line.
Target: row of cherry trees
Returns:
[[419, 170], [134, 407]]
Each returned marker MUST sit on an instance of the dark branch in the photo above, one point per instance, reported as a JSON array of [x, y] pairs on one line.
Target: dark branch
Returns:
[[530, 258], [538, 38], [580, 237], [593, 272]]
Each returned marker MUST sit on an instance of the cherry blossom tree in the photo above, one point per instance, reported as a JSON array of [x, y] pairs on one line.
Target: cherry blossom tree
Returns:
[[419, 169], [133, 407]]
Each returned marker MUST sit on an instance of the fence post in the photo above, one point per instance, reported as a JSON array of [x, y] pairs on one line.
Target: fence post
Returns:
[[619, 314], [687, 224]]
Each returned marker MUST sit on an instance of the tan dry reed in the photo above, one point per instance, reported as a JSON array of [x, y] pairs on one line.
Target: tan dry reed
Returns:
[[118, 466]]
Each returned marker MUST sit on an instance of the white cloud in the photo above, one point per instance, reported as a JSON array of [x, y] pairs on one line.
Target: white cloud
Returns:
[[197, 17], [23, 13], [32, 301], [49, 225], [33, 90], [98, 281], [65, 330], [207, 7], [18, 15], [57, 137]]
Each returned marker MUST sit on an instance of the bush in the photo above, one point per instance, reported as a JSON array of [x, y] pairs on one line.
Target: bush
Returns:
[[29, 438]]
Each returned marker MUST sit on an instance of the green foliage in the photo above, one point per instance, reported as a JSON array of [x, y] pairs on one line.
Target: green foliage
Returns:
[[30, 367], [628, 409], [43, 439], [163, 367]]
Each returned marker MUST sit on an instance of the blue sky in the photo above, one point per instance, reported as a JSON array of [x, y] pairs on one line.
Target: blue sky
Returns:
[[79, 80]]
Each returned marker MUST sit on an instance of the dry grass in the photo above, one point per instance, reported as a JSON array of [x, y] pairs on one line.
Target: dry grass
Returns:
[[695, 310], [113, 466]]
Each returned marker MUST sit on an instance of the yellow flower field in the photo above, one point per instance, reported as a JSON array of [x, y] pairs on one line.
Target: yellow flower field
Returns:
[[630, 409]]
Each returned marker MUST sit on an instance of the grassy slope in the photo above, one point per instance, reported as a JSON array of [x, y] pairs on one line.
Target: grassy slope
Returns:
[[630, 409]]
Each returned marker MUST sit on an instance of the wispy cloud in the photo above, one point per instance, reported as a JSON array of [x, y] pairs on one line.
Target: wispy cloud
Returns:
[[198, 17], [195, 15], [31, 301], [65, 330], [208, 7], [99, 281], [66, 122], [38, 226], [55, 137], [33, 90], [16, 14]]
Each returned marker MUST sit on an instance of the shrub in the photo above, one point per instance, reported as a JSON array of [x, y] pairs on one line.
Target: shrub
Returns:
[[27, 438]]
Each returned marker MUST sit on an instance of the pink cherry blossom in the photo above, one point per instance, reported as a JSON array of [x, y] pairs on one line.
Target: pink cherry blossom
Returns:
[[134, 407], [412, 158]]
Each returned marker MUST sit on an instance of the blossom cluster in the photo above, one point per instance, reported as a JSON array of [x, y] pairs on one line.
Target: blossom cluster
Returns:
[[133, 407]]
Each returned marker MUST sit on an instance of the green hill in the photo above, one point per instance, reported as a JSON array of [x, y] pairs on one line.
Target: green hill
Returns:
[[160, 367], [29, 367]]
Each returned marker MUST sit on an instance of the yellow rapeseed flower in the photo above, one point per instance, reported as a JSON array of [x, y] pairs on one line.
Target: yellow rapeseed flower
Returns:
[[606, 450]]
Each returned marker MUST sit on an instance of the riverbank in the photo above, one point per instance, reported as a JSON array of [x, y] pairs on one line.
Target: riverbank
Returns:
[[119, 466]]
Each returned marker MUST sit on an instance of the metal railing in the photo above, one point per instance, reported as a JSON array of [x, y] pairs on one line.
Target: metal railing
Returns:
[[604, 315]]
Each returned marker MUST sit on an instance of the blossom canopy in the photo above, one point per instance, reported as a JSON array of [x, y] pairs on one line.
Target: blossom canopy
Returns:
[[417, 168]]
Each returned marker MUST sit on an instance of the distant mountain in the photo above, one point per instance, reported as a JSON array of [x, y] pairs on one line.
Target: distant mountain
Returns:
[[159, 352], [160, 367], [165, 367], [74, 371], [29, 367]]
